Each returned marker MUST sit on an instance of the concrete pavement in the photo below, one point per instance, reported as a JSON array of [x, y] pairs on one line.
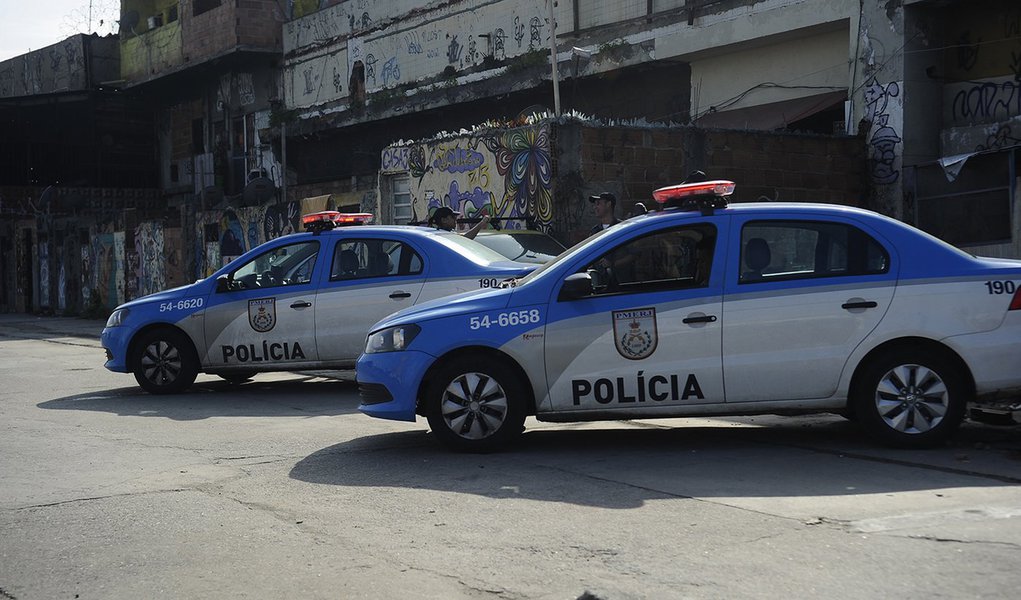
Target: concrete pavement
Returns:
[[19, 324]]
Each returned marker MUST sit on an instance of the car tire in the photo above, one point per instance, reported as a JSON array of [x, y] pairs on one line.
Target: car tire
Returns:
[[911, 398], [165, 362], [476, 405]]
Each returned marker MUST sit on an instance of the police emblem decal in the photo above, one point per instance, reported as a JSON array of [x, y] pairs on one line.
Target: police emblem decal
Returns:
[[262, 314], [634, 332]]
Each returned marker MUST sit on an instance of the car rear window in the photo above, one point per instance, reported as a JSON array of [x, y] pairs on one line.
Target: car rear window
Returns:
[[522, 245], [777, 250], [472, 250]]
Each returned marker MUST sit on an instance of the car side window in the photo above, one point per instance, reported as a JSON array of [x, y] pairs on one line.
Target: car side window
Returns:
[[292, 264], [365, 258], [783, 250], [677, 258]]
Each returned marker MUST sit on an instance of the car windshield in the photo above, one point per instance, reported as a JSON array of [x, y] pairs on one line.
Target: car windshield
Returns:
[[565, 255], [530, 246], [472, 250]]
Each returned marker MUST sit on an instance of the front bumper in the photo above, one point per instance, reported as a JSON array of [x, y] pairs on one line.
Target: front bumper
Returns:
[[115, 341], [399, 374]]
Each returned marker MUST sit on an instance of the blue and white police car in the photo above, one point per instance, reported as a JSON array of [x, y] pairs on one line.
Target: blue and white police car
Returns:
[[710, 309], [299, 302]]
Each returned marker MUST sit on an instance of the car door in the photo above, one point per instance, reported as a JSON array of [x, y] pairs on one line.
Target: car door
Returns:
[[800, 296], [649, 336], [369, 279], [266, 318]]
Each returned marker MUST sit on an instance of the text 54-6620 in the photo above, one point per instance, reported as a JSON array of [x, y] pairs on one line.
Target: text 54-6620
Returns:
[[181, 304]]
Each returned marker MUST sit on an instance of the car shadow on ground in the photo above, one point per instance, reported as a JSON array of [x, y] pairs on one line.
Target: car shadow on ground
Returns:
[[297, 397], [569, 465]]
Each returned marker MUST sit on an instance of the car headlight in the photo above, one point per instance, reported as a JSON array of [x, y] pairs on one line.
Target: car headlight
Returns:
[[393, 339], [117, 317]]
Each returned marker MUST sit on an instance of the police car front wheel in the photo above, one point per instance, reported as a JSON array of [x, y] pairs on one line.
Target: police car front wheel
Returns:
[[911, 398], [166, 362], [475, 404]]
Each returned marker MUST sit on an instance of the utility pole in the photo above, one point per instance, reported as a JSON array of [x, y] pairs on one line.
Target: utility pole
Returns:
[[553, 58]]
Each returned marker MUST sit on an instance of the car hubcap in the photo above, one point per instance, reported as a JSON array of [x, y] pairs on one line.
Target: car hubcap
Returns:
[[911, 399], [474, 406], [161, 363]]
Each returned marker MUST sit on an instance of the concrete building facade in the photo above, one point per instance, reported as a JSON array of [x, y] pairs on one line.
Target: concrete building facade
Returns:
[[260, 110]]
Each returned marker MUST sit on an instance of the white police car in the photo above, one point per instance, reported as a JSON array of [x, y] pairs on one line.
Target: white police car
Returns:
[[709, 309], [299, 302]]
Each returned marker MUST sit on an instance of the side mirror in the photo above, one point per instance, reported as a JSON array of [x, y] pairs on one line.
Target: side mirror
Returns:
[[224, 284], [578, 285]]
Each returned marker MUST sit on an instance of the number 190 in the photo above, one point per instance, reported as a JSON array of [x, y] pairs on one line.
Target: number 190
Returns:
[[1001, 287]]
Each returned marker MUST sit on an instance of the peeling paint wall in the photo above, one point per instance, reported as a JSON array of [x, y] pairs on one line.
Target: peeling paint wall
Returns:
[[151, 52]]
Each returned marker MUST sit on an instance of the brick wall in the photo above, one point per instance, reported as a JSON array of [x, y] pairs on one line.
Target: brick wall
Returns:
[[631, 162], [244, 23], [789, 167], [259, 23]]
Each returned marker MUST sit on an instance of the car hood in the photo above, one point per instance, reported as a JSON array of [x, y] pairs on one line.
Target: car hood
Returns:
[[165, 295], [466, 302]]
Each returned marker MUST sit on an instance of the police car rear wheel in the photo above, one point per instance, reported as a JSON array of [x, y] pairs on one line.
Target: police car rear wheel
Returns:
[[911, 399], [166, 363], [475, 405]]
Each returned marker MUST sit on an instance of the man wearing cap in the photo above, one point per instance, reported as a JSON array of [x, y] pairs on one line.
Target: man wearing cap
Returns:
[[605, 204], [446, 219]]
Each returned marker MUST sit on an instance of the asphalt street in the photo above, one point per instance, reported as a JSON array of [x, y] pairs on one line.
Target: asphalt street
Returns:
[[281, 488]]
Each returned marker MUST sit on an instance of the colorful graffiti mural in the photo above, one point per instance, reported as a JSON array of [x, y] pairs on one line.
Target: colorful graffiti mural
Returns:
[[223, 235], [502, 173], [105, 270], [151, 270]]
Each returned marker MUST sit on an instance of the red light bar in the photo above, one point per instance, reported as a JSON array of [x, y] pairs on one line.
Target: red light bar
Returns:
[[715, 188], [349, 218], [326, 215], [337, 218]]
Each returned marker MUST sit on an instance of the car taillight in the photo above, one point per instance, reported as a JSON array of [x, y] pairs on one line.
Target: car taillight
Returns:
[[1015, 304]]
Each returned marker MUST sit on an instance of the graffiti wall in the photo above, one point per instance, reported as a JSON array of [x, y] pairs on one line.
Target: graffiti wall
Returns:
[[502, 173], [104, 269], [884, 110], [149, 256], [453, 35], [982, 64], [44, 274], [223, 235], [56, 68]]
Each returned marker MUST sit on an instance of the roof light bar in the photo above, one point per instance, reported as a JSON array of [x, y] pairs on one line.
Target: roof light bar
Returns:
[[328, 219], [718, 188]]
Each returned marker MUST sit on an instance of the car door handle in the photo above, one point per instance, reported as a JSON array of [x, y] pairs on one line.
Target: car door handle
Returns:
[[859, 304], [701, 319], [400, 295], [301, 304]]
